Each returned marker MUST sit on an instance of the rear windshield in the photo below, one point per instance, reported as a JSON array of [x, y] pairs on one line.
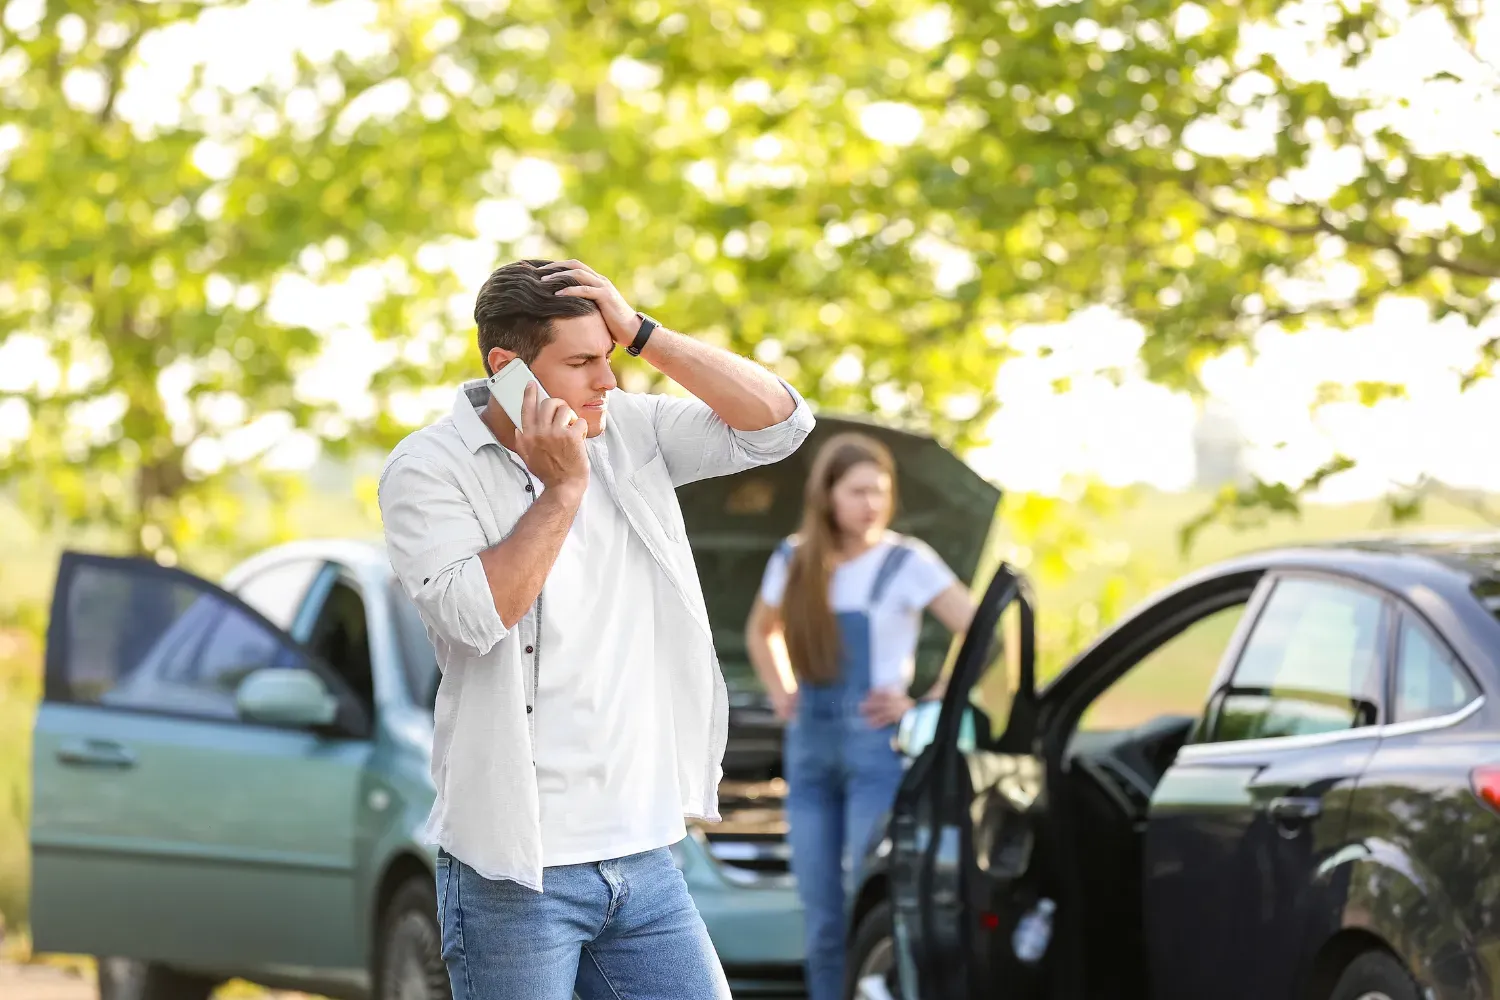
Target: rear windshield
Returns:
[[418, 659]]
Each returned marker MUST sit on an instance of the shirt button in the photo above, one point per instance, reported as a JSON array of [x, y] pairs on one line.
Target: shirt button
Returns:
[[528, 709], [530, 649], [528, 487]]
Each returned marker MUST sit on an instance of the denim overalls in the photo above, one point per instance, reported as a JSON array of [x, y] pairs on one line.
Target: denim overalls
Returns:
[[841, 778]]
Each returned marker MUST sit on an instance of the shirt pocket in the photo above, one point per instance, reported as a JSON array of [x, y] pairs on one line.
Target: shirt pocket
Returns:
[[654, 485]]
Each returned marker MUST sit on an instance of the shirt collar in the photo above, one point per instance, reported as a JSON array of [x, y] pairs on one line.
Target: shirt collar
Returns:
[[471, 430]]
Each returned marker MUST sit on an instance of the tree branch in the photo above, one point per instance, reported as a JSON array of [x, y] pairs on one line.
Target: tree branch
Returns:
[[1467, 500], [1419, 262], [115, 63]]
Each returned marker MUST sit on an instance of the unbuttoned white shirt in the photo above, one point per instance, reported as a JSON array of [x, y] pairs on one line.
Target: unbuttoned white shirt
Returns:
[[449, 491]]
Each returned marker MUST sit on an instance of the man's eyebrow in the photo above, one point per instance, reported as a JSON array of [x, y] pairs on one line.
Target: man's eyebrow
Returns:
[[589, 355]]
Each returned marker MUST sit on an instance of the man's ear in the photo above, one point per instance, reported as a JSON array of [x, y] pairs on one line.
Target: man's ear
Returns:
[[499, 358]]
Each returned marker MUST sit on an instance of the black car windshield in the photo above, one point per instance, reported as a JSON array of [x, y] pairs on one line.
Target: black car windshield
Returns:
[[418, 659]]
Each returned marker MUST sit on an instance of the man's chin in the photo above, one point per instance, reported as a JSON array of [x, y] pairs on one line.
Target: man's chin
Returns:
[[596, 424]]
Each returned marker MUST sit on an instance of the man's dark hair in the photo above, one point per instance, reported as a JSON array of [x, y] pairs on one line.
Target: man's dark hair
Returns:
[[516, 307]]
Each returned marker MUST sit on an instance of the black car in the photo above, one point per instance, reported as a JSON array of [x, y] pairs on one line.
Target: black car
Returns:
[[1278, 780]]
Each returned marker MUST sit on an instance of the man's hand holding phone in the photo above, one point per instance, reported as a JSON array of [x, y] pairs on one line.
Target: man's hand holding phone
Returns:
[[550, 442]]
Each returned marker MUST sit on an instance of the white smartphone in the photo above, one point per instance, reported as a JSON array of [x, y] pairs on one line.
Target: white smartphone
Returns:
[[508, 386]]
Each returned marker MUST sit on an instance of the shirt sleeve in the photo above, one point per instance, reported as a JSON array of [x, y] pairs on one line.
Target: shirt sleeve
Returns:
[[924, 576], [433, 538], [698, 444], [773, 582]]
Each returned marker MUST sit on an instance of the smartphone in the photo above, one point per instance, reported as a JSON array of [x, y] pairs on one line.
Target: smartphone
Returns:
[[508, 386]]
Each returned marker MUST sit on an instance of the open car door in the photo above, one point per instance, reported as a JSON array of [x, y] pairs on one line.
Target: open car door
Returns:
[[967, 888]]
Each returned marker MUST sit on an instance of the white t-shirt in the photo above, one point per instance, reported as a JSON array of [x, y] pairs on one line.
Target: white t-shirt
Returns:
[[896, 621], [606, 762]]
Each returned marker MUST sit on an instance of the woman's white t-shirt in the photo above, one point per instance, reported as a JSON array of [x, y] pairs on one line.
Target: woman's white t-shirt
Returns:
[[896, 620]]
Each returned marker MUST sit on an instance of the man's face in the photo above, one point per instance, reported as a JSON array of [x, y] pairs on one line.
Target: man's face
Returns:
[[574, 367]]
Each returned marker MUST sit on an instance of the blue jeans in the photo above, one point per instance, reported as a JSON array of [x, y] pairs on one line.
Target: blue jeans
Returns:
[[842, 777], [611, 929]]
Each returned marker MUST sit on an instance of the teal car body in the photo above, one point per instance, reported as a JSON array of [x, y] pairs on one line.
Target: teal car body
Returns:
[[171, 831]]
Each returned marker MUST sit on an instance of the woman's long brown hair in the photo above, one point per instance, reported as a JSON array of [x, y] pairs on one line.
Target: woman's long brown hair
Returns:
[[812, 635]]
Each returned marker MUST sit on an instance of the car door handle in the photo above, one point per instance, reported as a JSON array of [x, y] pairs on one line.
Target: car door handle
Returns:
[[1292, 809], [96, 753]]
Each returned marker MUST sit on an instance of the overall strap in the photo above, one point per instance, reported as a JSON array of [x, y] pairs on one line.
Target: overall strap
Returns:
[[889, 567]]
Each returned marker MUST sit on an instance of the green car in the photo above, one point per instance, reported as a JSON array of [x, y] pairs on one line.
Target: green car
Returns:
[[229, 779]]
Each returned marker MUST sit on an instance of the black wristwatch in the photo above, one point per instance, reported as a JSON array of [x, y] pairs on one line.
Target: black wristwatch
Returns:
[[642, 335]]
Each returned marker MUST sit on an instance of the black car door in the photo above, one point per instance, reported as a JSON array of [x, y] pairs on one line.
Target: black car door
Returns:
[[1242, 821], [966, 825]]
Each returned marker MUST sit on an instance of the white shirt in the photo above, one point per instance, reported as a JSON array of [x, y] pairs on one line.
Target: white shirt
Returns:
[[896, 621], [606, 761], [448, 492]]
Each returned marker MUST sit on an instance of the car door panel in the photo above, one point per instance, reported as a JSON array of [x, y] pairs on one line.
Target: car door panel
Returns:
[[1235, 846], [221, 845], [966, 828]]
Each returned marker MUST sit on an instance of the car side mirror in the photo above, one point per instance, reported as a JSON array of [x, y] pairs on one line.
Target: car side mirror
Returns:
[[286, 697], [919, 725], [917, 728]]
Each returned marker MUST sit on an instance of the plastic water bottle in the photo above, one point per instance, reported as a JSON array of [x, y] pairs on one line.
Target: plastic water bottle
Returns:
[[1034, 932]]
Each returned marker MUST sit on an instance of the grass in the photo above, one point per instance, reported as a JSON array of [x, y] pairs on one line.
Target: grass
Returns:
[[20, 687], [1139, 542]]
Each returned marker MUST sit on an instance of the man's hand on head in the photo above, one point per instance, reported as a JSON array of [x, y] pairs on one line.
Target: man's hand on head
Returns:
[[623, 321]]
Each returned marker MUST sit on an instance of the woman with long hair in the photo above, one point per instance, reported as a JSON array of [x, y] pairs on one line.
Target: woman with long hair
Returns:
[[833, 637]]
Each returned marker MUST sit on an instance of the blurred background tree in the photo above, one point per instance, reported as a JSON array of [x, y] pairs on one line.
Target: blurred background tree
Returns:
[[865, 195]]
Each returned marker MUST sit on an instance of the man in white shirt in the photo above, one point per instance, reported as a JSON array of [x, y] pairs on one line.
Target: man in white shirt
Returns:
[[581, 713]]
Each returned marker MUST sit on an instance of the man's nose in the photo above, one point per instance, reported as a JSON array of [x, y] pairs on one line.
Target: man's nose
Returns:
[[606, 381]]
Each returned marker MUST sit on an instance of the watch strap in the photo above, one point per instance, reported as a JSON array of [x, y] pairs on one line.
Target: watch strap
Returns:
[[642, 335]]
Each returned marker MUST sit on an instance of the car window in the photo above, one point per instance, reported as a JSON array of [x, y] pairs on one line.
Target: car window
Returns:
[[994, 688], [159, 642], [1172, 679], [418, 658], [1311, 665], [341, 638], [1429, 682], [277, 591]]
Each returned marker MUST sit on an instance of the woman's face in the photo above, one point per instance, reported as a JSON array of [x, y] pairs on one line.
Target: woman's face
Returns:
[[861, 500]]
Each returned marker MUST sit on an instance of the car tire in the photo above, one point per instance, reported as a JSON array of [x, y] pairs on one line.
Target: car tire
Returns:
[[409, 955], [1376, 975], [129, 979], [873, 949]]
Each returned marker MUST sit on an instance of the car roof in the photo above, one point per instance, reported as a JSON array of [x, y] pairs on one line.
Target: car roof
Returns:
[[1475, 554], [1463, 559], [363, 556]]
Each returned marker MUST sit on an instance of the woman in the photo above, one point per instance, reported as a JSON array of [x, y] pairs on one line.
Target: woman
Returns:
[[833, 636]]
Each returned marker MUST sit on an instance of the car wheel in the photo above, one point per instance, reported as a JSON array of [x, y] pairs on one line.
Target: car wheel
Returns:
[[872, 954], [1376, 975], [410, 953], [128, 979]]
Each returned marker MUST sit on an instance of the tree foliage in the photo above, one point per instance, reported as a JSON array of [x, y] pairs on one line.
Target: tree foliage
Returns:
[[865, 195]]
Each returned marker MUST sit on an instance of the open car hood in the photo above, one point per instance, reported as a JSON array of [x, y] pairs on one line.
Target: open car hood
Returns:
[[734, 524]]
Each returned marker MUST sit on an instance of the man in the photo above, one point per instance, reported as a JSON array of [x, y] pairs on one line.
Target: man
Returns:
[[581, 713]]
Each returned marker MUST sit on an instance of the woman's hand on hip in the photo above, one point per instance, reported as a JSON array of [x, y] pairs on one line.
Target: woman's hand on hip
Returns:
[[784, 704], [885, 706]]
